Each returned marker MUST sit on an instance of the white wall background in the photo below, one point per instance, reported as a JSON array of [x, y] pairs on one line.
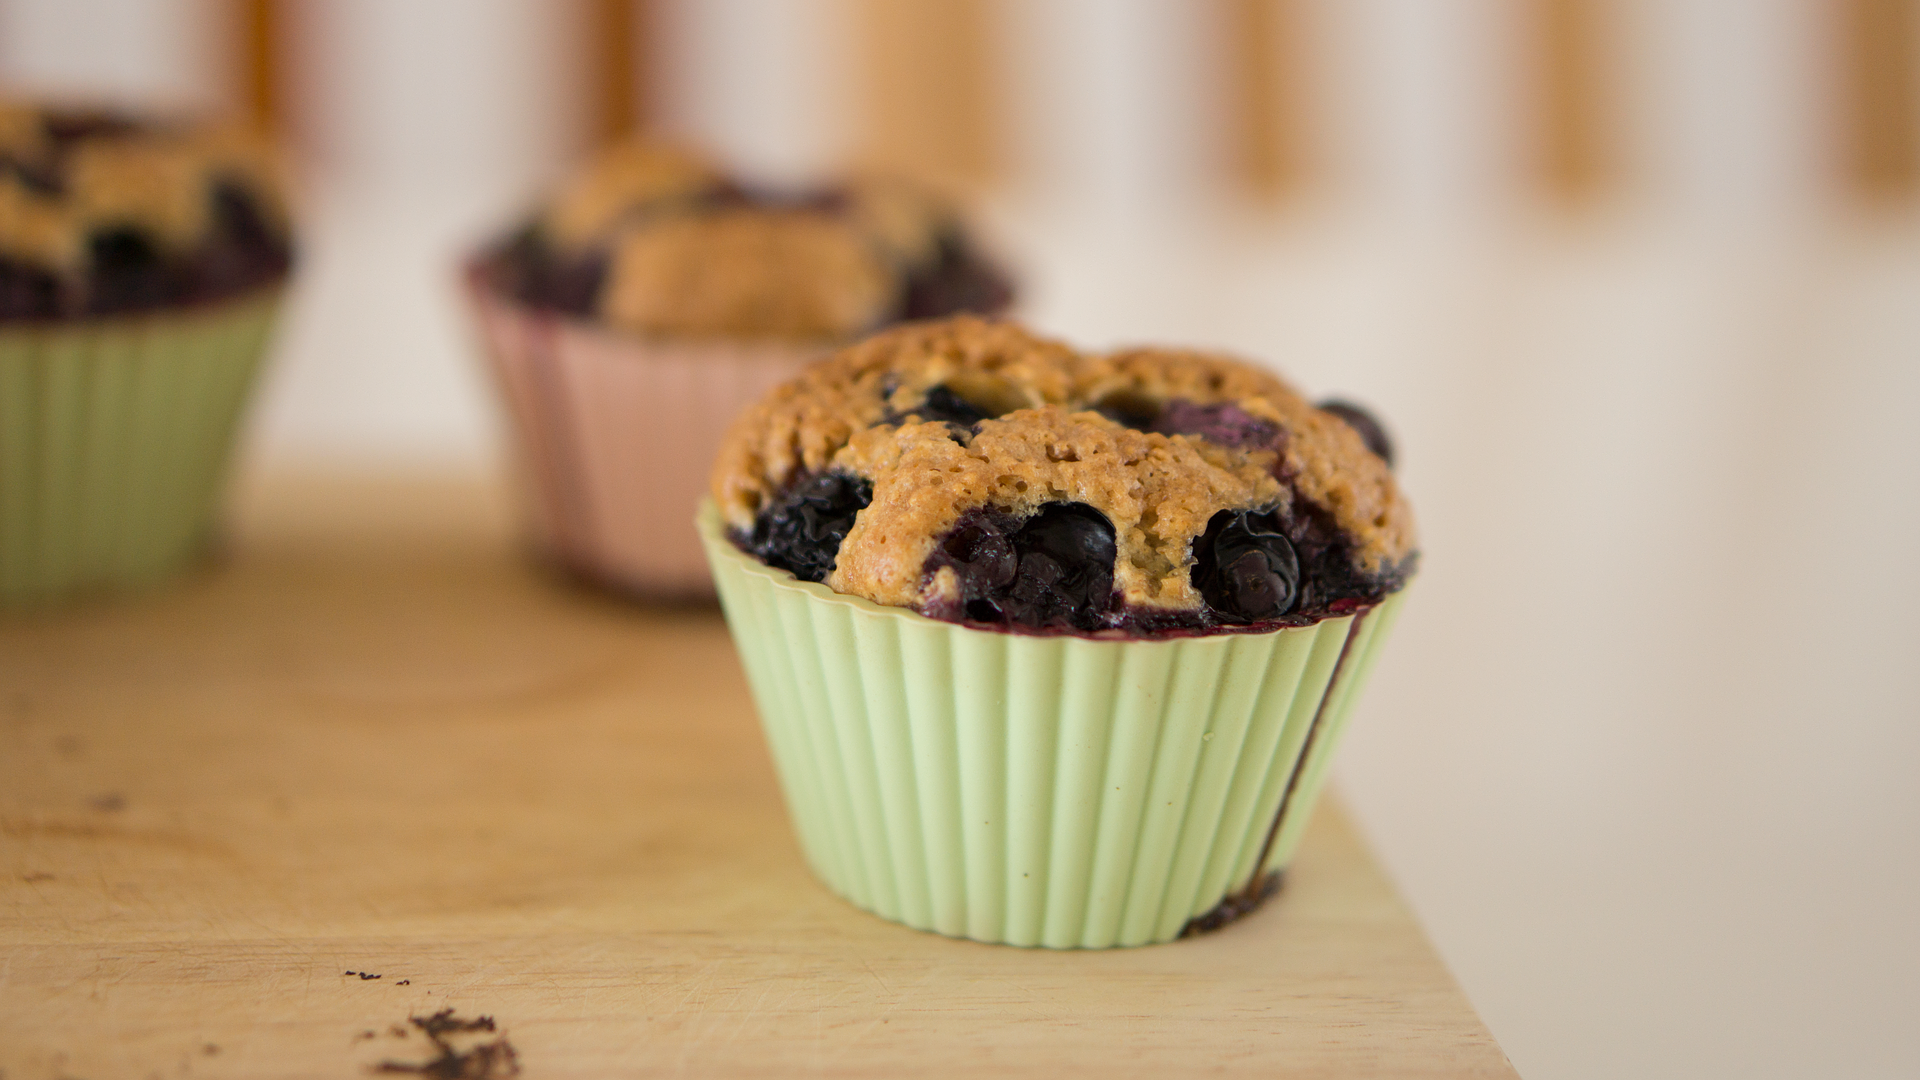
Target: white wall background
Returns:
[[1643, 759]]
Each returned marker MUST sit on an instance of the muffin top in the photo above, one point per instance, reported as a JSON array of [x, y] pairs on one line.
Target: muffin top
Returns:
[[655, 240], [974, 472], [102, 213]]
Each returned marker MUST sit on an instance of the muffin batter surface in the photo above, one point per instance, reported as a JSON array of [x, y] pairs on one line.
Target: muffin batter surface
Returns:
[[975, 472]]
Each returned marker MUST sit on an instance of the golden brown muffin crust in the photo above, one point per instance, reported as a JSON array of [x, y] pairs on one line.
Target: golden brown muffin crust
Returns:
[[36, 228], [749, 272], [624, 179], [1045, 444]]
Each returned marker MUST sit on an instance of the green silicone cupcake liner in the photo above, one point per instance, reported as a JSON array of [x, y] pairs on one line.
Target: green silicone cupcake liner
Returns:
[[1054, 791], [114, 437]]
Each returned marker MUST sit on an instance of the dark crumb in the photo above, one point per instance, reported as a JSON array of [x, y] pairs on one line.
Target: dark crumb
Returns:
[[404, 982], [364, 975], [1235, 907], [445, 1023], [210, 1049], [111, 803], [490, 1060], [397, 1031], [365, 1035]]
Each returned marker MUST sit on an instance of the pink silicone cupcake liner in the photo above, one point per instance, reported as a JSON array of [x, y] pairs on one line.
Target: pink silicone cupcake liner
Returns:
[[616, 435]]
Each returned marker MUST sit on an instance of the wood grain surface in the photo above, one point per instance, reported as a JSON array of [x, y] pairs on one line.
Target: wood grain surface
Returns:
[[372, 740]]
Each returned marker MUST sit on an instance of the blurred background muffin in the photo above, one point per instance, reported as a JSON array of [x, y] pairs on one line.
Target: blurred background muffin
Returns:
[[652, 297], [140, 262]]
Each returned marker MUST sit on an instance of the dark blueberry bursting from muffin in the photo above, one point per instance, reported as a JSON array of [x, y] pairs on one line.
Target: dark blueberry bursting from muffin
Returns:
[[527, 268], [943, 406], [1362, 421], [1254, 570], [1135, 411], [1053, 569], [800, 530], [1330, 583], [245, 251], [1261, 570], [27, 292], [958, 278], [1224, 423], [128, 273], [1245, 568]]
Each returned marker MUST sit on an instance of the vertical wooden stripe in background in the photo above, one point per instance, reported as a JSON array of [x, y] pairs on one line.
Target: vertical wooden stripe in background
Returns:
[[1264, 129], [1881, 86], [927, 88], [617, 31], [257, 33], [1570, 139]]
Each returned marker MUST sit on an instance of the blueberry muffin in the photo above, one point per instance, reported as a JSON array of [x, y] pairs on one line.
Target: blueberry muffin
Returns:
[[1053, 648], [652, 240], [652, 297], [102, 214], [975, 473], [141, 260]]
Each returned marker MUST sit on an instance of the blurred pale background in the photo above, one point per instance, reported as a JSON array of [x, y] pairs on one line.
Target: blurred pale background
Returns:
[[1636, 282]]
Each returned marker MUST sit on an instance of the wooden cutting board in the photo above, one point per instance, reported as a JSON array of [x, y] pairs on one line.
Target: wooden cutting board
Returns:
[[373, 765]]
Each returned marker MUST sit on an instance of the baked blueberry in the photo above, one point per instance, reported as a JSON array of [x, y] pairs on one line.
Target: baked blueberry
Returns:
[[1223, 422], [801, 530], [1053, 569], [943, 406], [1130, 409], [1362, 421], [1246, 568], [27, 292], [129, 273], [983, 560], [1066, 568]]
